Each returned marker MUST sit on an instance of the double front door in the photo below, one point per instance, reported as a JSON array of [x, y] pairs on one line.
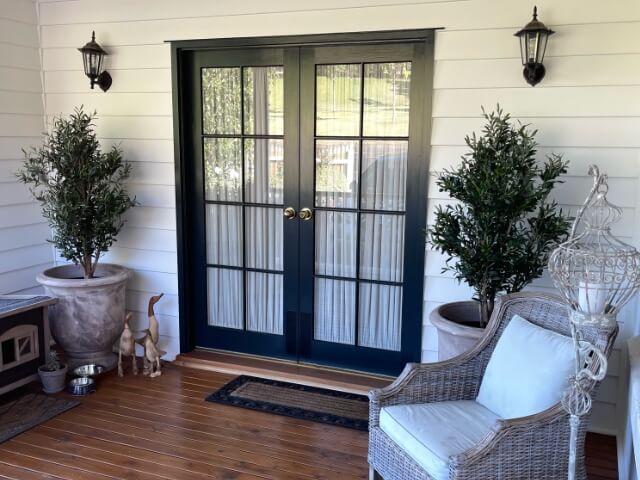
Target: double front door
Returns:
[[306, 202]]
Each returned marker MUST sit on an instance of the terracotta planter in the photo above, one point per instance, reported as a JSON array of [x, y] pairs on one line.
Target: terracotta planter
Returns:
[[89, 315], [53, 381], [456, 331]]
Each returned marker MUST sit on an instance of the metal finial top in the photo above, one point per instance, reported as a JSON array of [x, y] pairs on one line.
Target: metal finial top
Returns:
[[93, 35], [597, 212], [535, 12]]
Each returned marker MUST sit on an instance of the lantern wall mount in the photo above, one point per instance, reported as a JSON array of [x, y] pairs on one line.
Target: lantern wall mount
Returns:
[[533, 45], [93, 59]]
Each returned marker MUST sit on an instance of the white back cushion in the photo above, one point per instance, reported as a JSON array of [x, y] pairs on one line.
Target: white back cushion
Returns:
[[528, 371]]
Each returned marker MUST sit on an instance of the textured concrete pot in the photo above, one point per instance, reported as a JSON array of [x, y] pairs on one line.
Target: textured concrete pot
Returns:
[[456, 333], [53, 381], [89, 315]]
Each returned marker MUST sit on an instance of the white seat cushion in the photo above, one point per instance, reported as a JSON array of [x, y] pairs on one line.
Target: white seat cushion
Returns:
[[528, 370], [431, 432]]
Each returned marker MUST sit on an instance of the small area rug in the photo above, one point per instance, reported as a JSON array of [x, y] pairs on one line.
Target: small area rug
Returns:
[[28, 411], [295, 400]]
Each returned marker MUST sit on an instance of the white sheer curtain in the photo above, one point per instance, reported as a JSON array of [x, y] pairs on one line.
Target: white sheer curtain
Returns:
[[262, 225], [335, 300], [383, 165], [335, 310], [264, 302], [224, 244], [225, 297], [381, 247], [380, 314], [384, 175]]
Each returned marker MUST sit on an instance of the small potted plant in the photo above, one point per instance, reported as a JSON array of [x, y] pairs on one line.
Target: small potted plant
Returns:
[[83, 197], [52, 374], [499, 233]]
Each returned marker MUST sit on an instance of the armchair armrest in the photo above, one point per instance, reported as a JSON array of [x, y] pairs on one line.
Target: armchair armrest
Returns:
[[514, 441], [455, 379]]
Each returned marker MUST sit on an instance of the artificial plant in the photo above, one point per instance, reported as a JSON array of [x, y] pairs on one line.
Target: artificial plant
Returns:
[[80, 188], [52, 362], [498, 234]]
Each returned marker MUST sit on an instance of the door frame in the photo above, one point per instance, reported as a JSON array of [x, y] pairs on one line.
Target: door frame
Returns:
[[181, 58]]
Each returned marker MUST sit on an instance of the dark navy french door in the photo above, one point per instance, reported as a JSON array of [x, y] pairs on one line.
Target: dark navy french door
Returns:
[[302, 189]]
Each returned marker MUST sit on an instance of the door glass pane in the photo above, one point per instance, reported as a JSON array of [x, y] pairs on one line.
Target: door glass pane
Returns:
[[221, 100], [225, 297], [264, 302], [338, 99], [384, 175], [380, 315], [335, 310], [337, 173], [224, 235], [263, 100], [222, 169], [264, 237], [386, 99], [264, 169], [336, 243], [381, 247]]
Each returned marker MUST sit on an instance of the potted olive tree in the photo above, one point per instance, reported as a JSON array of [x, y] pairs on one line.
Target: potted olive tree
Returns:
[[52, 374], [81, 191], [499, 232]]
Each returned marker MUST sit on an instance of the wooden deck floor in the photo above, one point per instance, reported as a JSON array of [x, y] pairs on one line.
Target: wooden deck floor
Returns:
[[138, 428]]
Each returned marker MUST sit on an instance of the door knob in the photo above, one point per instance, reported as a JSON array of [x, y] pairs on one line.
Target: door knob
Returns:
[[289, 213], [306, 214]]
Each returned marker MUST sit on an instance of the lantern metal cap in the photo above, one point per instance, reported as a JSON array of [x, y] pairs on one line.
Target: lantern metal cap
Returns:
[[93, 46], [534, 25]]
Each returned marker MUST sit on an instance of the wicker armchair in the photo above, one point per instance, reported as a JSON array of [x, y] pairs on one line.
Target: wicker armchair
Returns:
[[533, 447]]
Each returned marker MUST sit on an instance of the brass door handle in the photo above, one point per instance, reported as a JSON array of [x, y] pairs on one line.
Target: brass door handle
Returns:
[[306, 214], [289, 213]]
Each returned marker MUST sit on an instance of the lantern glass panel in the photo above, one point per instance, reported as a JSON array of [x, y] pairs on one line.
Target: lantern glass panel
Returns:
[[542, 47], [523, 49], [85, 58], [95, 59], [533, 39]]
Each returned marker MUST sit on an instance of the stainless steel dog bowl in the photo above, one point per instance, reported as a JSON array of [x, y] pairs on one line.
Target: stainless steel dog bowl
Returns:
[[81, 386], [90, 370]]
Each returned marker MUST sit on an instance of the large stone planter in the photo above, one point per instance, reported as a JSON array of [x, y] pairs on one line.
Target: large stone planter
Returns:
[[456, 324], [89, 315]]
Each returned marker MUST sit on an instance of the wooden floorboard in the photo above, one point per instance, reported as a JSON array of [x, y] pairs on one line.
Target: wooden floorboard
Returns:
[[138, 428]]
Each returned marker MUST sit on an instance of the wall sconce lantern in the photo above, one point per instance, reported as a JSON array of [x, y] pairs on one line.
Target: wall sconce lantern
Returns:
[[93, 56], [533, 44]]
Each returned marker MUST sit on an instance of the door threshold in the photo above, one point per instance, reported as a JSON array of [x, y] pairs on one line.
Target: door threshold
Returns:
[[282, 370]]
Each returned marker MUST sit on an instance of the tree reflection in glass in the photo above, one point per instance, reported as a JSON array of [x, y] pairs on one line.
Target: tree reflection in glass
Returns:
[[221, 100], [222, 169]]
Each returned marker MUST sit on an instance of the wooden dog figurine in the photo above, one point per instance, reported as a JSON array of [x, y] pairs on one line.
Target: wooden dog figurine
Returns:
[[127, 347]]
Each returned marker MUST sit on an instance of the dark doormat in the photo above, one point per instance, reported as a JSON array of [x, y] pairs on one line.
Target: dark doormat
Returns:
[[28, 411], [295, 400]]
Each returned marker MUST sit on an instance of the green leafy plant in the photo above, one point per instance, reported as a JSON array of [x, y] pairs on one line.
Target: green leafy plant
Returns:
[[80, 188], [500, 230], [52, 362]]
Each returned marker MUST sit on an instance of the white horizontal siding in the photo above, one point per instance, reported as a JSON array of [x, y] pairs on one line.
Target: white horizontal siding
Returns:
[[587, 107], [23, 233]]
